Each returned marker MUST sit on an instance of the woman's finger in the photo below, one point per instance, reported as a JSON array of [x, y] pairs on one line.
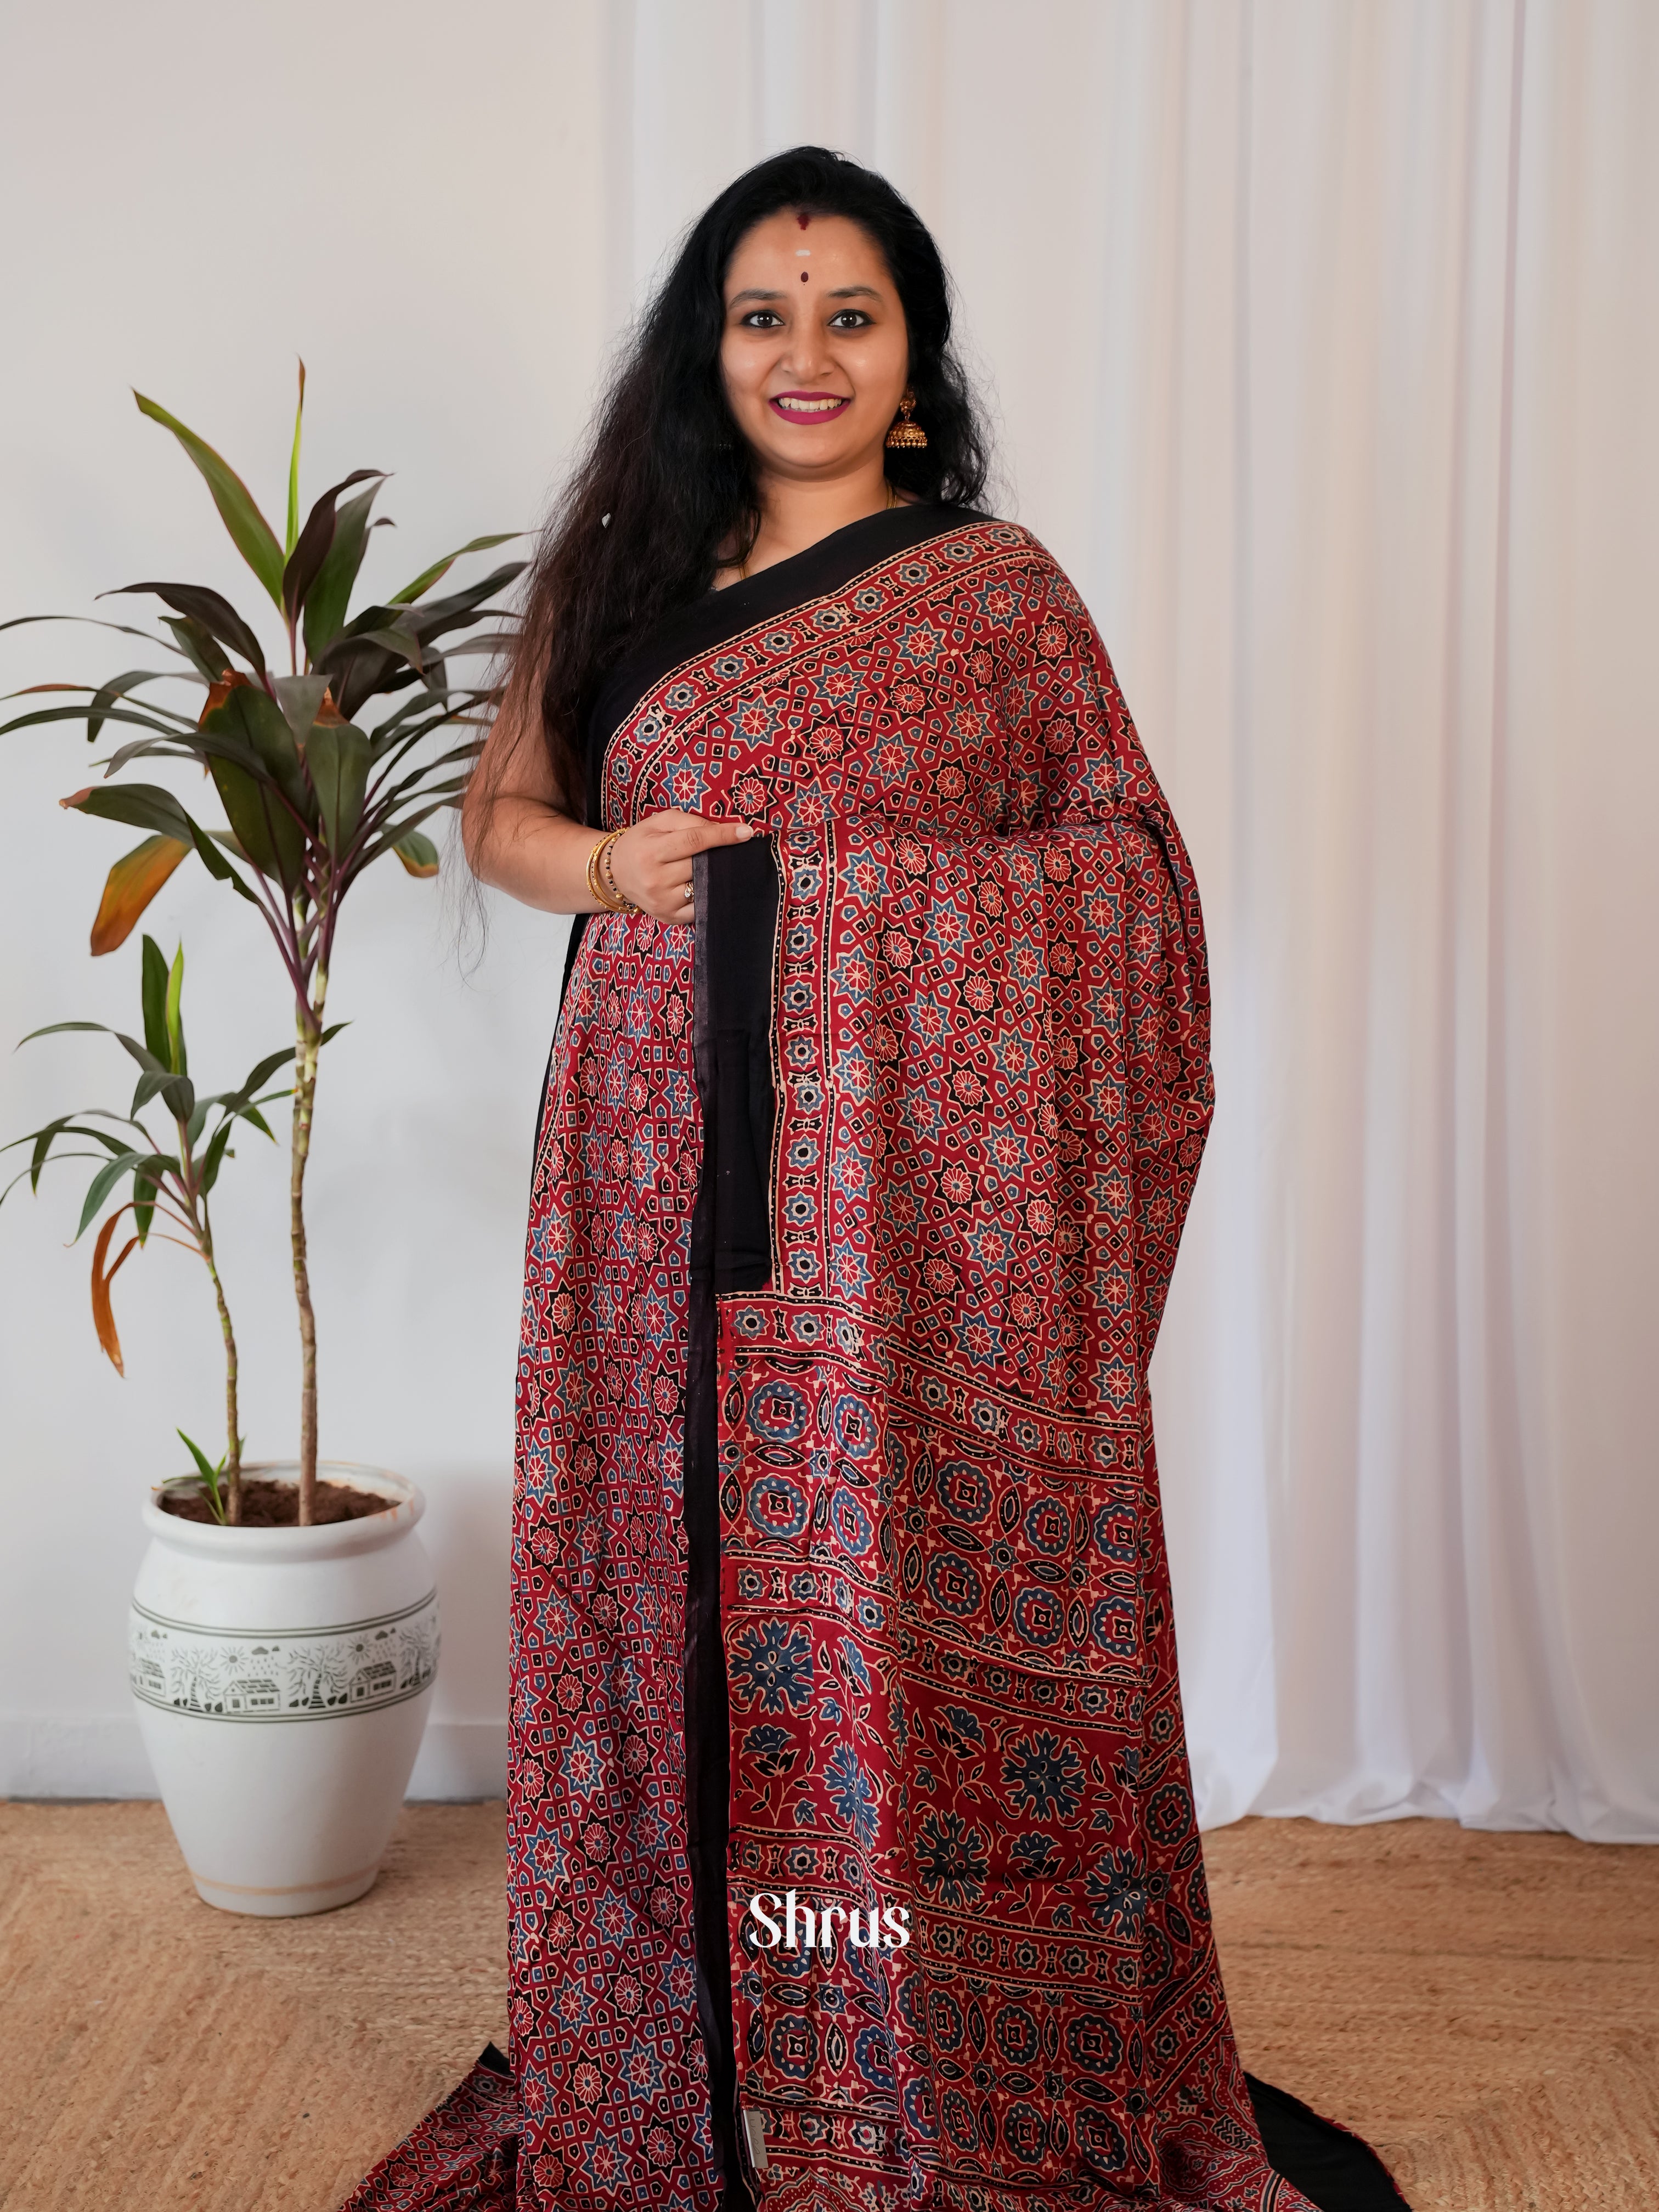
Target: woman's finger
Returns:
[[684, 834], [714, 832]]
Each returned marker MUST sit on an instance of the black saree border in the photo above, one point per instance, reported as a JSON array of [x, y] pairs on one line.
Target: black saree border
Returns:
[[733, 983]]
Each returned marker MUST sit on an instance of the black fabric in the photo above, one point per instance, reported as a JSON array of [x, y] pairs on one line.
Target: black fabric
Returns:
[[492, 2061], [1332, 2168], [708, 1739], [736, 904], [737, 912]]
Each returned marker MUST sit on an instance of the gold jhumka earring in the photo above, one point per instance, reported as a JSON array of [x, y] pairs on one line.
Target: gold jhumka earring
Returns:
[[904, 432]]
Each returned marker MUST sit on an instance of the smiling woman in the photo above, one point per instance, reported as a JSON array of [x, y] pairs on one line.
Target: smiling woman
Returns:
[[872, 1116], [697, 475], [814, 377]]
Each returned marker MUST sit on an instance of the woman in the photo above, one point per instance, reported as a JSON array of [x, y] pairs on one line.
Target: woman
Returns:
[[853, 1856]]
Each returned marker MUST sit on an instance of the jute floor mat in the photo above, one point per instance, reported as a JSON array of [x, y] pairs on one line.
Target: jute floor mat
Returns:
[[1483, 2009]]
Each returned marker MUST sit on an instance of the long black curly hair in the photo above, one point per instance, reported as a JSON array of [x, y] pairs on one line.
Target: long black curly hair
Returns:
[[664, 480]]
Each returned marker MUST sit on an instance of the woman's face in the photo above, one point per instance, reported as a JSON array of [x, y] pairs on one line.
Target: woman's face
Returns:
[[815, 353]]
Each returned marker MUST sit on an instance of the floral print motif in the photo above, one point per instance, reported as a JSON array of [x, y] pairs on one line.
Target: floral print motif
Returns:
[[770, 1665]]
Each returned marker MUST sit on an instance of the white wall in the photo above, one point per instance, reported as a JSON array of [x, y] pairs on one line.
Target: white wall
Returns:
[[1325, 337], [193, 197]]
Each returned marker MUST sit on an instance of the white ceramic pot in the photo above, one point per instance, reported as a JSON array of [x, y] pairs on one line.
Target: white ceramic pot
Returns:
[[283, 1678]]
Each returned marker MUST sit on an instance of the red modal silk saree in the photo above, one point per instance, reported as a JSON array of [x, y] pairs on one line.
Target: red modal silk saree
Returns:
[[839, 1575]]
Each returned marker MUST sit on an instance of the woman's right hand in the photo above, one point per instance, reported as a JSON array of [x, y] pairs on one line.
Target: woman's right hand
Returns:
[[651, 861]]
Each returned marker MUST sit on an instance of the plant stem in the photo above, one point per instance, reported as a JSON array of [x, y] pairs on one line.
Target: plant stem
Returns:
[[200, 1225], [308, 1044], [233, 1433]]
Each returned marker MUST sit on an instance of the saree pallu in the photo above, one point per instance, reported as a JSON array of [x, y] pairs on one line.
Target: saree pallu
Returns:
[[838, 1573]]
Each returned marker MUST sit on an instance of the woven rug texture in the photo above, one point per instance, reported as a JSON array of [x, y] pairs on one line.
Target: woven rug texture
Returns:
[[1483, 2008]]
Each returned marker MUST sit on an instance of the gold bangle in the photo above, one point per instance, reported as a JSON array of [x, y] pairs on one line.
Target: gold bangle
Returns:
[[613, 901], [606, 872], [595, 892]]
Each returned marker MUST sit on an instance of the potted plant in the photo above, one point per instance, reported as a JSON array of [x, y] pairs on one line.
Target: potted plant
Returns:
[[285, 1626]]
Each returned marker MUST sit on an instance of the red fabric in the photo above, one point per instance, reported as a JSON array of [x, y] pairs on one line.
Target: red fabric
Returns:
[[946, 1598], [462, 2158]]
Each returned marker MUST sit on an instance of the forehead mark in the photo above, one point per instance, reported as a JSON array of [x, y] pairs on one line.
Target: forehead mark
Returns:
[[803, 220], [803, 276]]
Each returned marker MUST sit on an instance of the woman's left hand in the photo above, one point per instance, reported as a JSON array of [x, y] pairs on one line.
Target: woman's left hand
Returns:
[[651, 861]]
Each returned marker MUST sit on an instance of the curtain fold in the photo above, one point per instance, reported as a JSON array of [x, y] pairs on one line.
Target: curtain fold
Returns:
[[1324, 335]]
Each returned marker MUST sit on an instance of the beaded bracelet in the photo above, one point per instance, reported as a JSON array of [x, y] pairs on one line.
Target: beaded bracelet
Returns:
[[600, 875]]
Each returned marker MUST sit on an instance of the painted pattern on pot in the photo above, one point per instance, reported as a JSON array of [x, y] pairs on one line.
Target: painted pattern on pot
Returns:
[[282, 1674]]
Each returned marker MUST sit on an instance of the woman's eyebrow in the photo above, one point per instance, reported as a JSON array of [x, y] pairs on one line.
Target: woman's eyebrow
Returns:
[[841, 292]]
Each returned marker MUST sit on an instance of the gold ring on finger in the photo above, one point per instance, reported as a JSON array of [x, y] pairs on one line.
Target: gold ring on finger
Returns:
[[687, 892]]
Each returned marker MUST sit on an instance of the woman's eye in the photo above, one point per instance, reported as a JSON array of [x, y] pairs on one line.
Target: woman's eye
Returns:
[[763, 319], [849, 318]]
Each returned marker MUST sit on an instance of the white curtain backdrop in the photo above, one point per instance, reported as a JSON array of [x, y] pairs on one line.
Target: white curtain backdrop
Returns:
[[1324, 340]]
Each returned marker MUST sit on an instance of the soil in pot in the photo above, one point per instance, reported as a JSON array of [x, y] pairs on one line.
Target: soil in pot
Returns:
[[277, 1504]]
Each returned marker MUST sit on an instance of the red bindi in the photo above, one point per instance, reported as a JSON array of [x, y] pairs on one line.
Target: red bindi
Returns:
[[803, 220], [803, 276]]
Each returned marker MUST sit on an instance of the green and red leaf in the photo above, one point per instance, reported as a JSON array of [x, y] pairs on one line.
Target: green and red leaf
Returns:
[[329, 596], [153, 994], [212, 610], [198, 644], [140, 805], [131, 885], [337, 758], [213, 1159], [252, 536], [418, 853], [264, 829], [252, 719], [305, 564], [103, 1313], [174, 1017], [428, 577], [105, 1182], [293, 469], [207, 843]]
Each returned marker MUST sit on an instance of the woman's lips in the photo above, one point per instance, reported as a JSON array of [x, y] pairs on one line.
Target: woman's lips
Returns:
[[809, 406]]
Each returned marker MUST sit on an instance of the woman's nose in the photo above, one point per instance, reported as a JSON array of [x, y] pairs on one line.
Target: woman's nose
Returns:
[[806, 354]]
